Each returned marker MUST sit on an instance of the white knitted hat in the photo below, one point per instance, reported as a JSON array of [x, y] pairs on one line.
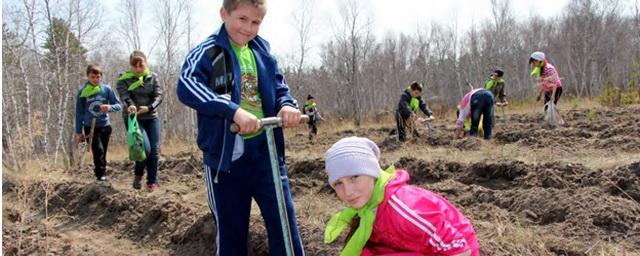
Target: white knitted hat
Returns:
[[538, 56], [352, 156]]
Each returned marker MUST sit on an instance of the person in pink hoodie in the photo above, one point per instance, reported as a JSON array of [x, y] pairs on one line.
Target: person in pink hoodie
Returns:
[[386, 215], [547, 78], [476, 105]]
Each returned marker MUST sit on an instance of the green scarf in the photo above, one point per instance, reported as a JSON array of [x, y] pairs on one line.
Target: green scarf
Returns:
[[90, 90], [414, 103], [309, 105], [367, 215], [537, 70], [130, 74], [492, 82]]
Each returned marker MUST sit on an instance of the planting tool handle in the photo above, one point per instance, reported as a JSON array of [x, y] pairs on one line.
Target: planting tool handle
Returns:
[[270, 121]]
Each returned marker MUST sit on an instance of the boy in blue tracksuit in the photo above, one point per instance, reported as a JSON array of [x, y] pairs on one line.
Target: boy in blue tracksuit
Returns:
[[94, 101], [232, 78]]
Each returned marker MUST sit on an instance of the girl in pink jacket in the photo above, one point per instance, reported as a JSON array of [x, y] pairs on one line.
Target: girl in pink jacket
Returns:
[[388, 216], [547, 78]]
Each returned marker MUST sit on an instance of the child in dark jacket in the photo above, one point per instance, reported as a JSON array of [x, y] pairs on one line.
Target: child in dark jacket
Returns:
[[232, 77], [410, 102], [311, 109], [393, 218], [496, 86], [94, 101], [141, 94]]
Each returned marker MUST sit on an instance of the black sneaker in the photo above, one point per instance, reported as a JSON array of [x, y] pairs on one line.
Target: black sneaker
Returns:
[[102, 178], [137, 182]]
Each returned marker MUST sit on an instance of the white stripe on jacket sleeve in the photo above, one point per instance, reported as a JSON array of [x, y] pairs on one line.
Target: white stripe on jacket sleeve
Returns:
[[410, 215]]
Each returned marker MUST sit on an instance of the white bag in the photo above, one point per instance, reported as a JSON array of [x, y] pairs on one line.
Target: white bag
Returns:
[[552, 116]]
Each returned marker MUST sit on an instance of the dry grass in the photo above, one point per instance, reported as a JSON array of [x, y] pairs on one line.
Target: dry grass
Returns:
[[168, 147], [507, 237]]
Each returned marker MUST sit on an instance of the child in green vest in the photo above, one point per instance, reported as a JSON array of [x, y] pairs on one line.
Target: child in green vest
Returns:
[[496, 86], [310, 109]]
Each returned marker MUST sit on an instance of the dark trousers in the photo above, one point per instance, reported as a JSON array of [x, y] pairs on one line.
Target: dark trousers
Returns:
[[99, 146], [150, 129], [547, 97], [230, 201], [313, 126], [404, 123], [482, 105]]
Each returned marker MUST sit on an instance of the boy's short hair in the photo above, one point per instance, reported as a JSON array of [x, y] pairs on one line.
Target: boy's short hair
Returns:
[[231, 5], [137, 57], [416, 86], [499, 72], [309, 97], [94, 69]]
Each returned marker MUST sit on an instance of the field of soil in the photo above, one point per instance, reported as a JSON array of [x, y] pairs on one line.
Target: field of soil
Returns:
[[532, 190]]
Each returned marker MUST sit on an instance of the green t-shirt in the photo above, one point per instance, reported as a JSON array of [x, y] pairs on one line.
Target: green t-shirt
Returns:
[[250, 100]]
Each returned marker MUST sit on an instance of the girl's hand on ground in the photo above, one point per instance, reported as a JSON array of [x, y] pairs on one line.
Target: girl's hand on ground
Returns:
[[290, 116], [458, 133], [247, 122]]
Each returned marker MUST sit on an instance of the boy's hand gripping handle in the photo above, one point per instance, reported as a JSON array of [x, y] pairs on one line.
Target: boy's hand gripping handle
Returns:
[[270, 121]]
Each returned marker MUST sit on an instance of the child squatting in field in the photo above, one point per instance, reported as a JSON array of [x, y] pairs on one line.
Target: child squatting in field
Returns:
[[410, 101], [387, 215], [232, 77]]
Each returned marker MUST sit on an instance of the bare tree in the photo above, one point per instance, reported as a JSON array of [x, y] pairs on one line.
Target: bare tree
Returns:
[[353, 42], [129, 25], [302, 22], [172, 15]]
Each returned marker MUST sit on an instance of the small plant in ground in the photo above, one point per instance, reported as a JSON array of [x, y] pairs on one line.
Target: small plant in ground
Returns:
[[592, 115], [575, 103]]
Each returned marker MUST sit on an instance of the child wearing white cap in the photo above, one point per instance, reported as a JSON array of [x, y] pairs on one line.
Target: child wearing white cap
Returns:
[[390, 216], [547, 78]]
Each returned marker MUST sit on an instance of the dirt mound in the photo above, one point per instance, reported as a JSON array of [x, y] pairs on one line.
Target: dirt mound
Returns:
[[625, 182], [569, 200], [199, 239], [308, 176], [605, 129], [517, 207], [153, 221]]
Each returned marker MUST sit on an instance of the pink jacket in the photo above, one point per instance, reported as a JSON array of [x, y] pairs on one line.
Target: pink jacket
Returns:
[[465, 107], [549, 78], [414, 221]]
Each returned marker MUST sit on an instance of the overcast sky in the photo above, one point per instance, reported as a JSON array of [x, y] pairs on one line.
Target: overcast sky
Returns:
[[397, 16], [389, 16]]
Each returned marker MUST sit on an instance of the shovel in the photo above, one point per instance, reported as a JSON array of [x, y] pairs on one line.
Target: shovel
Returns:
[[84, 146], [503, 116], [427, 122], [268, 124]]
